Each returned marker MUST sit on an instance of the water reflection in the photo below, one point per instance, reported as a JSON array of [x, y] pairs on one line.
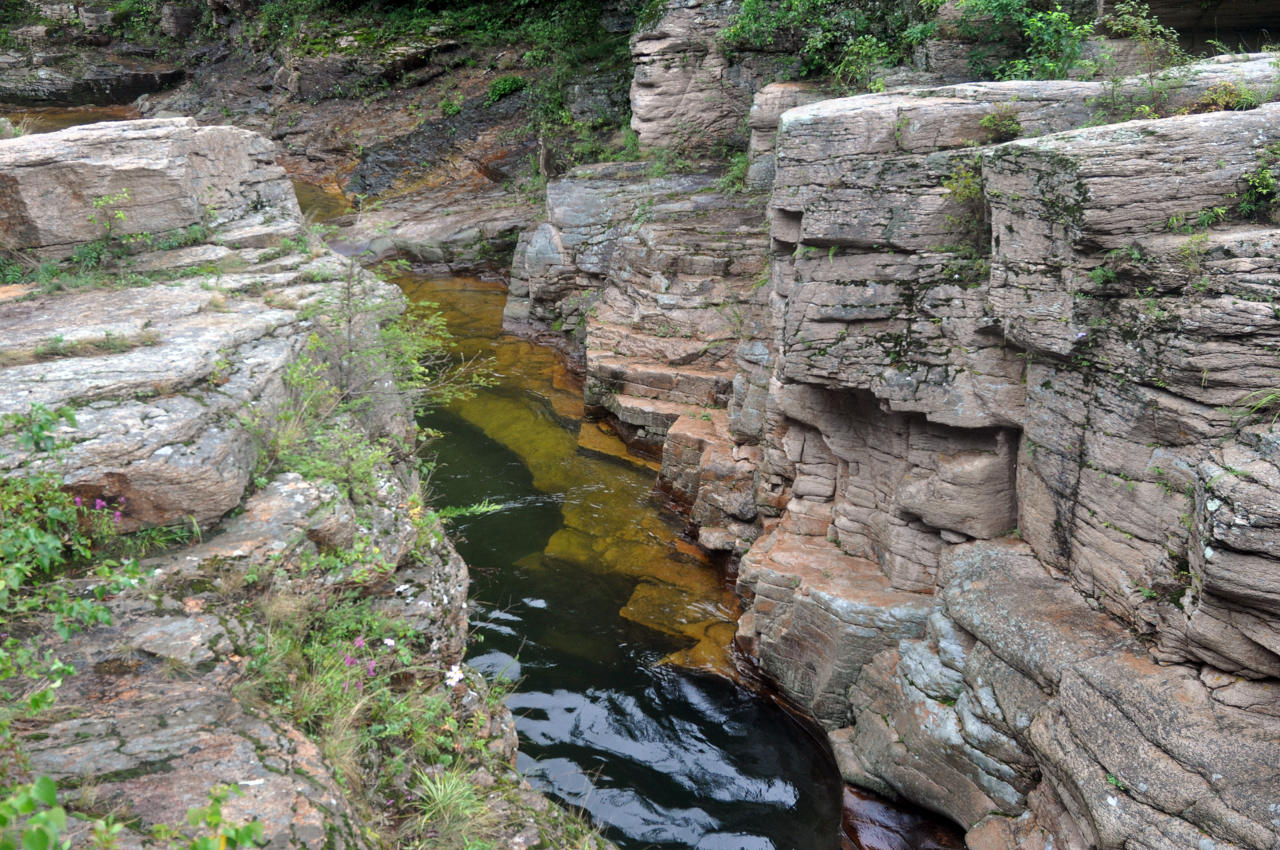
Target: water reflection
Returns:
[[581, 591], [49, 119]]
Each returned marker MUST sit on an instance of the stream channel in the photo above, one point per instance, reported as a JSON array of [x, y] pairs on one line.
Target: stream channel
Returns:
[[583, 594]]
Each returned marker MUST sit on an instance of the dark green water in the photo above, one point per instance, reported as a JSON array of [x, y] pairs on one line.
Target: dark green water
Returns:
[[581, 591]]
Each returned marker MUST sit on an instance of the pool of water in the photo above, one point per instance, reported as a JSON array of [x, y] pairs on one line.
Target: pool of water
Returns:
[[616, 631], [42, 119]]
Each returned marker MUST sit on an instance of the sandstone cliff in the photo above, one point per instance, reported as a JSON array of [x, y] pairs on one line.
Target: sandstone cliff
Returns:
[[972, 419]]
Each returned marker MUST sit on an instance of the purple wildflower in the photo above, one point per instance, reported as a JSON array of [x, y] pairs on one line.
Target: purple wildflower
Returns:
[[118, 516], [79, 502], [371, 666], [98, 504], [348, 661], [359, 642]]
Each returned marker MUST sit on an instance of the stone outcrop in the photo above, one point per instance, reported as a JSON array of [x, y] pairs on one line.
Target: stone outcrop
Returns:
[[1015, 338], [658, 277], [1003, 533], [174, 361], [686, 90], [77, 77], [142, 177]]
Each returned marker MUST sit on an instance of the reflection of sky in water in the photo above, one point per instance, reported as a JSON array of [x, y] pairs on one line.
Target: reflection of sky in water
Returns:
[[580, 592]]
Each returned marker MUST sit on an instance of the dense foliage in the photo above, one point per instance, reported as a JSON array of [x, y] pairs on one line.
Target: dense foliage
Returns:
[[832, 37], [1046, 43]]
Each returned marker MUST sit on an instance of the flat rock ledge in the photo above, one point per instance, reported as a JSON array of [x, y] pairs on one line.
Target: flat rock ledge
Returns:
[[174, 360]]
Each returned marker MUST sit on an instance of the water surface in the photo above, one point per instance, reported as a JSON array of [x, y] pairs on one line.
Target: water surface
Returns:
[[584, 593]]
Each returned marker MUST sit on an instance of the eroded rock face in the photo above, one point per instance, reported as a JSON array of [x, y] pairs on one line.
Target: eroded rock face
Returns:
[[1001, 535], [174, 362], [43, 77], [658, 277], [686, 92], [969, 340]]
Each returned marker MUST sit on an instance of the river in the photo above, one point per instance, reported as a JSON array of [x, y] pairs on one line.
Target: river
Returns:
[[584, 594]]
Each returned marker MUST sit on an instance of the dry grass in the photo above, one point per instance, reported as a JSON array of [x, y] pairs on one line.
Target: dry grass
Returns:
[[56, 348]]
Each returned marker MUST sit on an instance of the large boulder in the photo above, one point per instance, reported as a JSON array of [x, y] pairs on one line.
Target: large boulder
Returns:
[[135, 178]]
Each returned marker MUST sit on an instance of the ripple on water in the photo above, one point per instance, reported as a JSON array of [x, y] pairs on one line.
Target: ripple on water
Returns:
[[581, 588]]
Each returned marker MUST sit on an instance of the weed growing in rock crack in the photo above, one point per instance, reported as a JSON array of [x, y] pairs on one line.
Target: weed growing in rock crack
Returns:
[[1260, 198], [449, 809], [1162, 58], [665, 161], [1256, 405], [504, 86], [972, 222], [1003, 124], [734, 180], [348, 676]]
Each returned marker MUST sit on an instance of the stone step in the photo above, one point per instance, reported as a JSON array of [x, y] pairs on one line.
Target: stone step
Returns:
[[672, 341], [650, 416], [819, 615], [610, 373]]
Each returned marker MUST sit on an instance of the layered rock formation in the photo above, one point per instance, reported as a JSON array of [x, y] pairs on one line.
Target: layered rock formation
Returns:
[[175, 362], [1060, 378], [687, 92], [1015, 546]]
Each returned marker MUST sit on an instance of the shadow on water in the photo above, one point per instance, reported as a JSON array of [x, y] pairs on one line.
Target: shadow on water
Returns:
[[583, 593]]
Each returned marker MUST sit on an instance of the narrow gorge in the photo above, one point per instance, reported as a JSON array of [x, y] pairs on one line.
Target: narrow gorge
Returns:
[[964, 389]]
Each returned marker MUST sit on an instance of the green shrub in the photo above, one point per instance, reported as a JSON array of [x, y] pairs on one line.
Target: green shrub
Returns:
[[450, 106], [1003, 124], [1260, 198], [735, 176], [504, 86], [1050, 42], [1161, 60], [1227, 97], [831, 37]]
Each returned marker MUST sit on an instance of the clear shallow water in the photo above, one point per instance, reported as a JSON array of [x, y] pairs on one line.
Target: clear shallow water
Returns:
[[582, 592]]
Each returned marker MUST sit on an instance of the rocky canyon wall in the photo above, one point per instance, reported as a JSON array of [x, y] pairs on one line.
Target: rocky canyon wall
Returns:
[[1011, 451], [970, 417]]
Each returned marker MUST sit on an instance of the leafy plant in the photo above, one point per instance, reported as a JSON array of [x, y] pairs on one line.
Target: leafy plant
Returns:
[[861, 63], [1260, 198], [971, 223], [1051, 43], [504, 86], [450, 106], [1002, 123], [1227, 96], [844, 40], [734, 180], [1161, 56]]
